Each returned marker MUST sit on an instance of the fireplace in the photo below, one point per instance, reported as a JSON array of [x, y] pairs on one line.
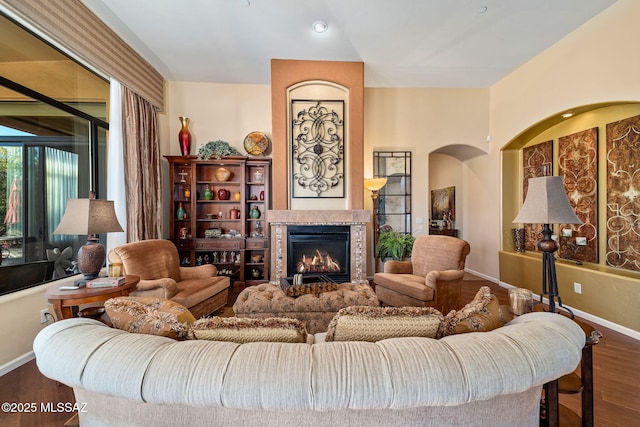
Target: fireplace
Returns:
[[319, 249], [353, 261]]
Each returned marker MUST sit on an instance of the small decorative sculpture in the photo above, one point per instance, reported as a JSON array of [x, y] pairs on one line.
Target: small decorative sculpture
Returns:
[[61, 261]]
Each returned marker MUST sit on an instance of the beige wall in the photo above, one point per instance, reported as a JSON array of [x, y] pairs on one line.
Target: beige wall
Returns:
[[217, 111], [19, 323], [592, 65], [423, 121]]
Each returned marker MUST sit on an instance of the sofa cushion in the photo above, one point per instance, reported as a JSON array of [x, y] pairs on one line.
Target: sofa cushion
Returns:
[[244, 330], [193, 291], [148, 315], [480, 315], [406, 284], [362, 323]]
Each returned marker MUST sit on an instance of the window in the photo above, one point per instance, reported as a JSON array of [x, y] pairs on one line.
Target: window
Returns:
[[53, 134], [394, 199]]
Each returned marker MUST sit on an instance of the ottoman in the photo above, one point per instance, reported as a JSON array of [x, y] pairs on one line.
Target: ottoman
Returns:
[[315, 310]]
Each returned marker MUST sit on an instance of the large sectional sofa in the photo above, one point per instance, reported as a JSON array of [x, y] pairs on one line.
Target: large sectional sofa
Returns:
[[473, 379]]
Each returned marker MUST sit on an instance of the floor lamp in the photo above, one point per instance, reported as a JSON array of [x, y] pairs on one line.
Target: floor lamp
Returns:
[[547, 203], [374, 185]]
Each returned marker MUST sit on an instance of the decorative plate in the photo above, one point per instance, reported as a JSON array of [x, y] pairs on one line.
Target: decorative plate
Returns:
[[256, 143]]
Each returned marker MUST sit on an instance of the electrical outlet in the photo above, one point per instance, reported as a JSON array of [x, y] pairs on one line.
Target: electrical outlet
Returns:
[[43, 315], [577, 288], [419, 220]]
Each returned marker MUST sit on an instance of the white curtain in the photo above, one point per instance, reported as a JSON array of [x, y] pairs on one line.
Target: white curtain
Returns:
[[61, 182], [115, 165]]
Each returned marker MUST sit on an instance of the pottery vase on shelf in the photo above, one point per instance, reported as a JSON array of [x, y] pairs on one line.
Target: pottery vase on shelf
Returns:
[[223, 174], [184, 136], [254, 213], [223, 194], [180, 212], [207, 194]]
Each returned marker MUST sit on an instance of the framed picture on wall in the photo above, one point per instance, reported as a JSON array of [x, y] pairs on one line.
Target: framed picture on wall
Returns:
[[443, 204]]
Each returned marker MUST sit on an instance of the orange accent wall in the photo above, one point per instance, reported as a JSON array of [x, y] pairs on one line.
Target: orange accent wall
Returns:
[[286, 73]]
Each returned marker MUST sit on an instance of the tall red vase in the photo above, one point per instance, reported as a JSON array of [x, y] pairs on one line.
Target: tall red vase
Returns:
[[184, 136]]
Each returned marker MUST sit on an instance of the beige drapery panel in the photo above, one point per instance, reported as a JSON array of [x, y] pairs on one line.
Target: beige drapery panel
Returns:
[[71, 26], [141, 148]]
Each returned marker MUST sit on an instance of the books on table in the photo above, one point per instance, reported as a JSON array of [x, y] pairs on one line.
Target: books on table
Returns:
[[105, 282]]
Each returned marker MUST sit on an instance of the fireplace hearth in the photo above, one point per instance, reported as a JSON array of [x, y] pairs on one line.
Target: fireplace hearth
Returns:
[[319, 249]]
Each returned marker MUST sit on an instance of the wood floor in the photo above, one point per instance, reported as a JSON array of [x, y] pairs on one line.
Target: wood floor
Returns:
[[616, 380]]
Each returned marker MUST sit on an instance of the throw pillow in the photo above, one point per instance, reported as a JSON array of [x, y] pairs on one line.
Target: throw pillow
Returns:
[[244, 330], [149, 315], [363, 323], [480, 315]]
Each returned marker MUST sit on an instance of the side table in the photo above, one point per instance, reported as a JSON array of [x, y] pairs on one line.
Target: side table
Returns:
[[67, 302], [570, 383]]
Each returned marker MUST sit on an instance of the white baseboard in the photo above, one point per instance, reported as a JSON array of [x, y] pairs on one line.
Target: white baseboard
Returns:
[[582, 314], [484, 276], [16, 363]]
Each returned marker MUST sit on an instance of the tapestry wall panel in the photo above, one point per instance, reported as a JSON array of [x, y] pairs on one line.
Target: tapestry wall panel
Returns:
[[623, 194], [537, 161], [578, 165]]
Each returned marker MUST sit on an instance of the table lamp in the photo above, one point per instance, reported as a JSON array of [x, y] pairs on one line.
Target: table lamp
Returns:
[[90, 217], [547, 203], [374, 185]]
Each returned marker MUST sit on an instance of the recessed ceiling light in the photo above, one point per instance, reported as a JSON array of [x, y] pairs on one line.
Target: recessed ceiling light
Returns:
[[483, 9], [246, 3], [567, 115], [320, 26]]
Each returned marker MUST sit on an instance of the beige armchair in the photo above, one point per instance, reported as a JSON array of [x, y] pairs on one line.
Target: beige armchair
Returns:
[[432, 278], [157, 263]]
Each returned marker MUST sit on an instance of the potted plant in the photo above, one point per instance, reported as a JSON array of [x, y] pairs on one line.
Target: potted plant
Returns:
[[217, 149], [394, 245]]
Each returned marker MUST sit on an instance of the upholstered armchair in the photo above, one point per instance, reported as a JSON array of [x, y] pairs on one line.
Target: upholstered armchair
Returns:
[[432, 278], [157, 263]]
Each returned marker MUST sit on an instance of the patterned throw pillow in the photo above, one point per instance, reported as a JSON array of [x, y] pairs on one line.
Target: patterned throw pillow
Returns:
[[244, 330], [149, 315], [480, 315], [362, 323]]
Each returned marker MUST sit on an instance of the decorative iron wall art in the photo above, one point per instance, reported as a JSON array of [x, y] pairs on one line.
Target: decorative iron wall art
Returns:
[[317, 149], [578, 165], [537, 161], [623, 194]]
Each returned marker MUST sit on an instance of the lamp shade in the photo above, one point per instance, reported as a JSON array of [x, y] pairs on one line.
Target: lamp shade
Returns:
[[546, 203], [88, 216], [374, 184]]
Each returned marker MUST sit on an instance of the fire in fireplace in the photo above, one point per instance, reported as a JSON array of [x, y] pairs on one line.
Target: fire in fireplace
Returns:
[[319, 249]]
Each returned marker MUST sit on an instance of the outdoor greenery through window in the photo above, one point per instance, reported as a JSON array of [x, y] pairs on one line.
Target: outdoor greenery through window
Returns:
[[53, 133]]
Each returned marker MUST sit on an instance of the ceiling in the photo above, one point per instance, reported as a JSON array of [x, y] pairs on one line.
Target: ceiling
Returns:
[[403, 43]]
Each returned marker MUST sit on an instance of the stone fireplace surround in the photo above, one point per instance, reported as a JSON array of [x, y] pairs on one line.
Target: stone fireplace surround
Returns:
[[279, 220]]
